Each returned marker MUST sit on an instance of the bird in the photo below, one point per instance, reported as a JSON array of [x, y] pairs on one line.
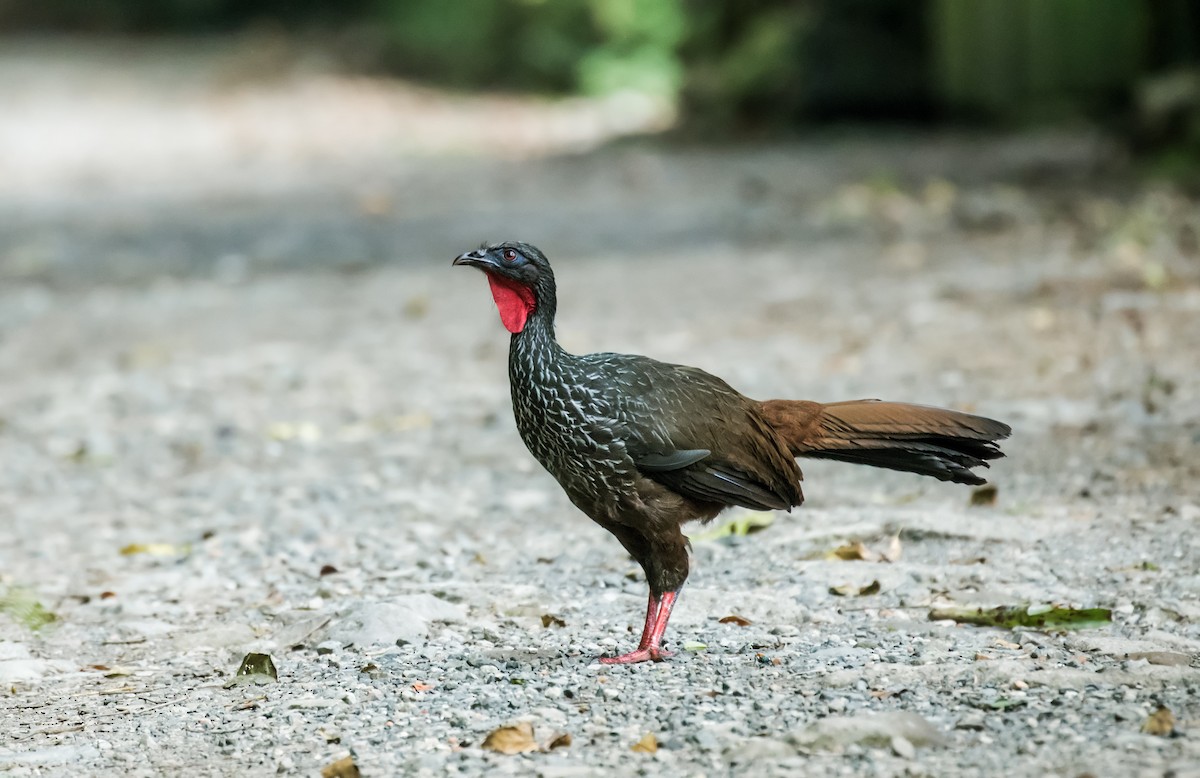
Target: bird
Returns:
[[643, 447]]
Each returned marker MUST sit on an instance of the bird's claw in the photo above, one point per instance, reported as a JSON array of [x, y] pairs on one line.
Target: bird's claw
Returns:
[[652, 654]]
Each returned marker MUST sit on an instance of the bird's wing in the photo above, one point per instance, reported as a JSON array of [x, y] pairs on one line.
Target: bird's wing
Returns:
[[675, 460], [693, 433]]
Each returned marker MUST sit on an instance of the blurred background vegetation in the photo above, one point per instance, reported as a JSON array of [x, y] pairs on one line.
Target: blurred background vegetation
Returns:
[[750, 66]]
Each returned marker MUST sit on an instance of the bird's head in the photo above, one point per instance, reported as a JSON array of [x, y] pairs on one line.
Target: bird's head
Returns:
[[521, 280]]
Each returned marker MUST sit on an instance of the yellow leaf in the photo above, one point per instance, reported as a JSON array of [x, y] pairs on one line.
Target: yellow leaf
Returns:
[[740, 527], [853, 552], [647, 745], [156, 549], [1161, 722], [342, 768], [516, 739]]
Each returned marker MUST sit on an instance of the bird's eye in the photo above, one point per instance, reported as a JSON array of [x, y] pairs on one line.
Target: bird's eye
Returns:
[[510, 255]]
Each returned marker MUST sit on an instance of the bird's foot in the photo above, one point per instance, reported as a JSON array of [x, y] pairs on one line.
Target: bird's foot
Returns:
[[651, 654]]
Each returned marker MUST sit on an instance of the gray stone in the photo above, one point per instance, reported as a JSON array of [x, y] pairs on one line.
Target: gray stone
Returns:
[[759, 749], [401, 620], [868, 729], [903, 747]]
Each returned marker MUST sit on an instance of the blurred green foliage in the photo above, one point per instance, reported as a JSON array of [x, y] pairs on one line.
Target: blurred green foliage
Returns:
[[736, 64], [493, 43], [174, 16], [594, 46], [1036, 58]]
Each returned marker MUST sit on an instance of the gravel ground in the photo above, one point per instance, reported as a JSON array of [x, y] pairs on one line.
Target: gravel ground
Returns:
[[277, 395]]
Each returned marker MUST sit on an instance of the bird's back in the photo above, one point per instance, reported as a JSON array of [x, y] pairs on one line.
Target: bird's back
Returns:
[[599, 422]]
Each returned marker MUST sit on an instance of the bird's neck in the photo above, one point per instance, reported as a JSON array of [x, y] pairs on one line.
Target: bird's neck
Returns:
[[534, 351], [536, 340]]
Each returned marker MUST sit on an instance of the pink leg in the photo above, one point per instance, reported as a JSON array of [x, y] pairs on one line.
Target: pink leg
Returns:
[[651, 618], [658, 613]]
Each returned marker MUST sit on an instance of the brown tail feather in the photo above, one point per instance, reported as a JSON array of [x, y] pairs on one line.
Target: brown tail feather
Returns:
[[936, 442]]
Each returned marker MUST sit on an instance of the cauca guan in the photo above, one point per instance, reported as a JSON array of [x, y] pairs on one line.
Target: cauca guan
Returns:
[[643, 447]]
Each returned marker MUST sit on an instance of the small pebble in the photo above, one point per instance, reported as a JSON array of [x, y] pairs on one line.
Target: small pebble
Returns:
[[903, 748]]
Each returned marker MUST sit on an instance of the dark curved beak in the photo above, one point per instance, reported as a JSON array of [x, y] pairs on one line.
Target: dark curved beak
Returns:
[[476, 258]]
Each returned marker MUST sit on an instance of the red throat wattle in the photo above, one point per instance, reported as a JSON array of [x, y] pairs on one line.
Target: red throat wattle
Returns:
[[515, 301]]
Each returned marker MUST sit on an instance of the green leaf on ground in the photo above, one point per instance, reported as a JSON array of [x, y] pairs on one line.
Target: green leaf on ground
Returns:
[[255, 669], [741, 526], [24, 608], [1047, 617]]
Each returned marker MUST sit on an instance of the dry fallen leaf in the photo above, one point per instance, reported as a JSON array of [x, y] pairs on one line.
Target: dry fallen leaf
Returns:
[[733, 618], [375, 202], [647, 745], [342, 768], [894, 550], [549, 620], [853, 552], [850, 590], [517, 739], [1161, 722], [156, 549], [421, 687], [983, 496], [416, 307], [558, 741]]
